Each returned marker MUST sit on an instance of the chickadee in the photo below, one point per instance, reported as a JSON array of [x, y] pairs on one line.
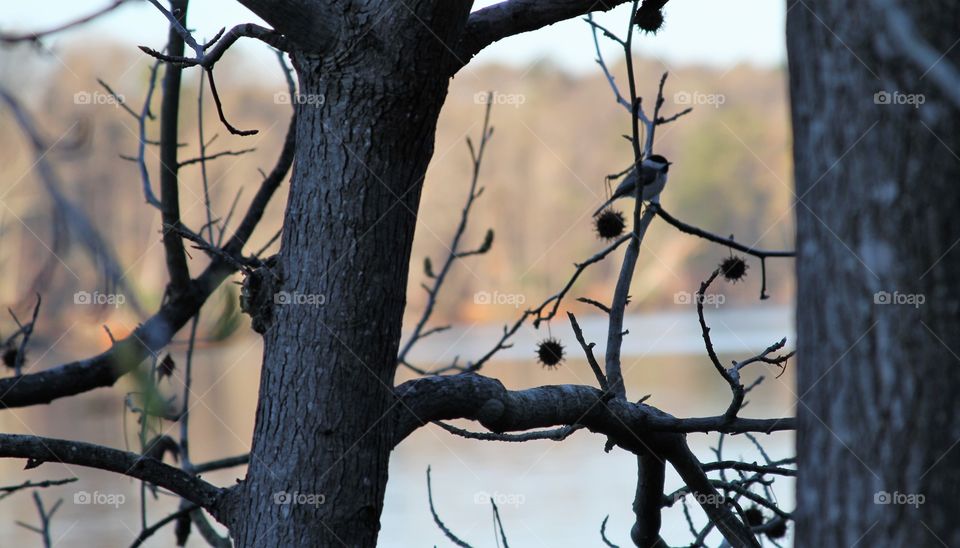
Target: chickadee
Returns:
[[654, 172]]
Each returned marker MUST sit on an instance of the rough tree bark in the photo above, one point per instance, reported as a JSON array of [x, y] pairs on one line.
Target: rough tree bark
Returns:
[[877, 212], [373, 77], [365, 129]]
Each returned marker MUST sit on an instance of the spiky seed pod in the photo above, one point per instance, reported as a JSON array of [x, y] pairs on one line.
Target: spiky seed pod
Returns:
[[778, 530], [754, 516], [609, 224], [10, 357], [649, 16], [550, 352], [734, 268]]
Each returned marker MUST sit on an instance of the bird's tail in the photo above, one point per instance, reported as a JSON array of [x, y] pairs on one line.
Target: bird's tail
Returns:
[[604, 206]]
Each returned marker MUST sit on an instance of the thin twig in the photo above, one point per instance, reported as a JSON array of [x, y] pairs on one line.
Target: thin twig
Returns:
[[603, 533], [26, 330], [588, 350], [436, 518], [149, 531], [37, 35], [453, 251], [11, 489]]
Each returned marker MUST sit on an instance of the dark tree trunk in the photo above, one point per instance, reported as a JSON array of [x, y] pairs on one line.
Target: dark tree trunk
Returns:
[[365, 136], [877, 220]]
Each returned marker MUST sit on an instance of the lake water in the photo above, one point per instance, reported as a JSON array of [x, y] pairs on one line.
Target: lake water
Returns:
[[551, 494]]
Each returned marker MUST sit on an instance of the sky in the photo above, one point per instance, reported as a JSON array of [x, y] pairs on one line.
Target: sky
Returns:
[[712, 32]]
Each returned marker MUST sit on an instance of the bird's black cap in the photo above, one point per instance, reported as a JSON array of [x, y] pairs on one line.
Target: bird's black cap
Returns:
[[659, 159]]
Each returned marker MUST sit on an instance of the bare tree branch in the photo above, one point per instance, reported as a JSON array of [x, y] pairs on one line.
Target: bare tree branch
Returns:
[[728, 242], [651, 472], [487, 401], [691, 471], [11, 489], [588, 351], [176, 257], [37, 35], [603, 533], [149, 531], [157, 331], [311, 26], [39, 450], [45, 517], [221, 45], [436, 517], [104, 369], [454, 252], [493, 23], [220, 464]]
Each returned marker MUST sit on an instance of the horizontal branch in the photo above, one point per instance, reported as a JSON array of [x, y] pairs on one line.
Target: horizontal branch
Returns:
[[11, 489], [493, 23], [40, 450], [210, 58], [312, 26], [220, 464], [749, 467], [728, 242], [487, 401]]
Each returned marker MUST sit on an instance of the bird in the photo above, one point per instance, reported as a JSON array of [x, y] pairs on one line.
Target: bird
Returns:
[[654, 172]]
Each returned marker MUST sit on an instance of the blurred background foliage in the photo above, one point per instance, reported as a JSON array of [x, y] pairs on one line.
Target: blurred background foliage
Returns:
[[557, 136]]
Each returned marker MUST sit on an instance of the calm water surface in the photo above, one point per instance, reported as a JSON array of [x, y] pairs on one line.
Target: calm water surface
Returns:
[[551, 494]]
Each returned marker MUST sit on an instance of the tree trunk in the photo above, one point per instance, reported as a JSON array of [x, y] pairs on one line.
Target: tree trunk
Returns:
[[877, 322], [366, 121]]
